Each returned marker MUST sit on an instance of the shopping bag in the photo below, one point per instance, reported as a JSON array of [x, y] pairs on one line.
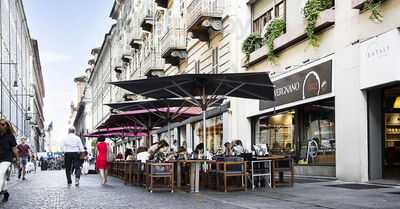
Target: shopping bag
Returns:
[[110, 154], [85, 168]]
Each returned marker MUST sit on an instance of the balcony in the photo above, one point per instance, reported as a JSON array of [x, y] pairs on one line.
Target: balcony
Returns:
[[162, 3], [136, 39], [173, 46], [292, 37], [153, 65], [358, 4], [147, 22], [204, 16]]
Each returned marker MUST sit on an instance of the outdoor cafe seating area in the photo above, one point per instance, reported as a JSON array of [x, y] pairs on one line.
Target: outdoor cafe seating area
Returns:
[[179, 97], [222, 173]]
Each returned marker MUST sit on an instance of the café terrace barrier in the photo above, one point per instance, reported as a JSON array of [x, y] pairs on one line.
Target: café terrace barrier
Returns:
[[224, 174]]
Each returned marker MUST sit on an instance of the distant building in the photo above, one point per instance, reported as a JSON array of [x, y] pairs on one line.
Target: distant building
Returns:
[[36, 114]]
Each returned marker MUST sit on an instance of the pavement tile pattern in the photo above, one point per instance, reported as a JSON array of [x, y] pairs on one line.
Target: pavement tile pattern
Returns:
[[48, 190]]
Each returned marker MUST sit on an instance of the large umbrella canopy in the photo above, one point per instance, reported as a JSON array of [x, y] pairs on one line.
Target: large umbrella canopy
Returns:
[[120, 129], [208, 87], [149, 118], [175, 103], [244, 85], [115, 134]]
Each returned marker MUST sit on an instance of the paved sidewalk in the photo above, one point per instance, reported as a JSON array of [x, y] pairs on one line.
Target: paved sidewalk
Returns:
[[48, 189]]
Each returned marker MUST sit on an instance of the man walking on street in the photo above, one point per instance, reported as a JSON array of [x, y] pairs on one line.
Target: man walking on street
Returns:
[[24, 152], [72, 147]]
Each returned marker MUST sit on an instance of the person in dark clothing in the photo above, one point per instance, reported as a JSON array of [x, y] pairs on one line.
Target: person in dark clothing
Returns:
[[8, 147], [25, 153]]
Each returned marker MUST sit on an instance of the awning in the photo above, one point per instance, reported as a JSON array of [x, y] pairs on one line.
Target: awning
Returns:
[[149, 118], [244, 85], [208, 87], [156, 104], [118, 131], [116, 134], [122, 128]]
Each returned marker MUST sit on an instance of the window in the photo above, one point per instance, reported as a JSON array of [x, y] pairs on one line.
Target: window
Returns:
[[214, 133], [259, 23], [277, 10], [307, 133], [280, 10], [277, 132], [215, 60], [317, 143], [197, 67]]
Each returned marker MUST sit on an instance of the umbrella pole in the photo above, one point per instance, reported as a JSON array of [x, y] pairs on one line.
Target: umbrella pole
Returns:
[[169, 134], [204, 133]]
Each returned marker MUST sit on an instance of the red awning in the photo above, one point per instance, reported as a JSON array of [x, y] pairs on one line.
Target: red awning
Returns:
[[115, 134]]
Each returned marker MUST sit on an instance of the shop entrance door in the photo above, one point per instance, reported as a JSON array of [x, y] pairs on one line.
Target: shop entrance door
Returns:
[[391, 146]]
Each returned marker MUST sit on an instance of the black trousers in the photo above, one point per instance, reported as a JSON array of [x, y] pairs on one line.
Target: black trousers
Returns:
[[72, 162]]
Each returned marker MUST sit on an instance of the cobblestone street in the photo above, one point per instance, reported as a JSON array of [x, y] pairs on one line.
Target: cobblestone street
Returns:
[[48, 189]]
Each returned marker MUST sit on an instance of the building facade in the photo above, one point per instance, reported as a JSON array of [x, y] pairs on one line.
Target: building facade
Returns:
[[337, 96], [22, 84], [333, 111], [36, 115]]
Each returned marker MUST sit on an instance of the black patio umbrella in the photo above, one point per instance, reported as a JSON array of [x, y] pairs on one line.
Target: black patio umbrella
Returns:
[[178, 105], [156, 104], [203, 89], [149, 119]]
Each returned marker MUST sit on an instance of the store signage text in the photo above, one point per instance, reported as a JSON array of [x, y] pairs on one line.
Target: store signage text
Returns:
[[288, 89], [379, 60], [308, 83]]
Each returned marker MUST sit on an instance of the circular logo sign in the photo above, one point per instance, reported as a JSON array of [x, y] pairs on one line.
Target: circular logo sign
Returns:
[[311, 85]]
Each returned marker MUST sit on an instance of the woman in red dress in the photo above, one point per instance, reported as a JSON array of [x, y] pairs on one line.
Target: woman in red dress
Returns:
[[101, 160]]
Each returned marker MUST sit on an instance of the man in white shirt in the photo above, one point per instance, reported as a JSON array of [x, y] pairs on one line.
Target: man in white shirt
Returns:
[[72, 147]]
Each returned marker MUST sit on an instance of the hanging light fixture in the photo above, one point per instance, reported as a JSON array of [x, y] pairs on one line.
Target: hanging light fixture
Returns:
[[396, 104]]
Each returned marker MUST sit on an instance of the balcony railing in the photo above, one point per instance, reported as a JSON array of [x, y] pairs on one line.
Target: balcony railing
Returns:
[[200, 10], [146, 20], [135, 37], [173, 40], [162, 3], [153, 63]]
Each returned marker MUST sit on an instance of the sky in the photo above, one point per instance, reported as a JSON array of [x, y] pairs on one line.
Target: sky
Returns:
[[66, 31]]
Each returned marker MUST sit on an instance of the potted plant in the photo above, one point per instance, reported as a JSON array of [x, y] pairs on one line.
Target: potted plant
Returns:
[[253, 42], [311, 11], [274, 30]]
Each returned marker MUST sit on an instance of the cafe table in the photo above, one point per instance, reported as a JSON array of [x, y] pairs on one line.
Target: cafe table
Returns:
[[194, 173], [273, 170]]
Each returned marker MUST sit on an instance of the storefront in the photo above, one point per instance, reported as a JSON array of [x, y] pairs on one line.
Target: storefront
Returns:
[[380, 78], [301, 122], [189, 132], [214, 133]]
